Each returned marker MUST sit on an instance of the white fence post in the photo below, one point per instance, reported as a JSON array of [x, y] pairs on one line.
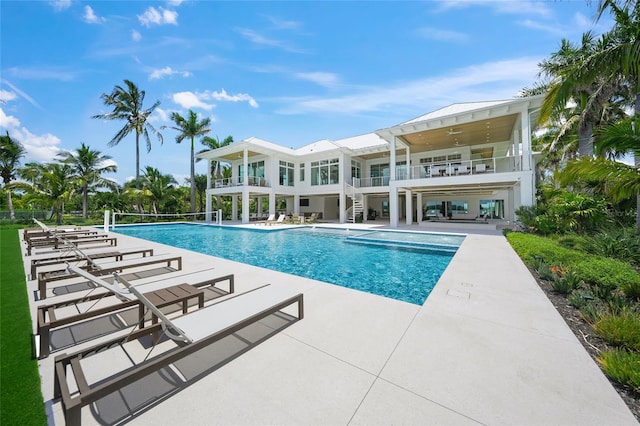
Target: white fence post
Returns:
[[106, 221]]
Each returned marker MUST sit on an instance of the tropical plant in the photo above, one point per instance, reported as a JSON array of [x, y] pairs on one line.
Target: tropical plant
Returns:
[[51, 184], [201, 189], [157, 187], [190, 128], [88, 166], [622, 366], [11, 151], [127, 106]]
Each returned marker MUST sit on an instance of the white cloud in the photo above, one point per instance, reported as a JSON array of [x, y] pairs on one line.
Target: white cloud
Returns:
[[135, 35], [174, 2], [324, 79], [166, 71], [6, 96], [520, 7], [223, 96], [59, 5], [90, 17], [160, 16], [21, 94], [197, 100], [281, 24], [190, 100], [261, 40], [9, 122], [551, 28], [433, 33], [493, 80], [162, 114]]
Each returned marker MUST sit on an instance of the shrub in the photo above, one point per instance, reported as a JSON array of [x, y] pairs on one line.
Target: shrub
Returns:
[[592, 310], [621, 244], [622, 366], [578, 299], [544, 271], [631, 290], [620, 330], [564, 280]]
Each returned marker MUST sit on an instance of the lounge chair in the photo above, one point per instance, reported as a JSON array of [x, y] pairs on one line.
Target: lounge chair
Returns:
[[61, 258], [463, 170], [60, 241], [44, 278], [481, 168], [280, 219], [271, 218], [190, 332], [94, 305]]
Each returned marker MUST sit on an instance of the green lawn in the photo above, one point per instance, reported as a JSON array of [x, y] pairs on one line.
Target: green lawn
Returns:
[[21, 398]]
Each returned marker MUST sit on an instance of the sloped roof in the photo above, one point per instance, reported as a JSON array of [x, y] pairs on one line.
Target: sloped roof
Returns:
[[458, 108]]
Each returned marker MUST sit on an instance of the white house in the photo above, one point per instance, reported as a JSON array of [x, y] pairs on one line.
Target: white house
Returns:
[[465, 161]]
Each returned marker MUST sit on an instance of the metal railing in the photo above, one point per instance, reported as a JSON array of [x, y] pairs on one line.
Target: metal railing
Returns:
[[253, 181]]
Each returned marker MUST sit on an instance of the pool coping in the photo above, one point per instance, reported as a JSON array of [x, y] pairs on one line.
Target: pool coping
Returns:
[[487, 347]]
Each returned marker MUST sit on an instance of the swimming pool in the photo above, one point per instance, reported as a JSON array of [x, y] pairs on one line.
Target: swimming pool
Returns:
[[400, 265]]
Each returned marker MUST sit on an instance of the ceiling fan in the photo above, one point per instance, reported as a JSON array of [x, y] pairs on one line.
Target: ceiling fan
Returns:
[[452, 132], [457, 143]]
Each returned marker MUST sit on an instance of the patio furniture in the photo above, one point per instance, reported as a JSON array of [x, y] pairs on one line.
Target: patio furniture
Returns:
[[280, 219], [463, 170], [45, 278], [481, 168], [271, 218], [59, 241], [47, 260], [190, 332], [50, 317]]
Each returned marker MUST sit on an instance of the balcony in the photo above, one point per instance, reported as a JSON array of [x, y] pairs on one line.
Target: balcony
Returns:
[[228, 182], [439, 170]]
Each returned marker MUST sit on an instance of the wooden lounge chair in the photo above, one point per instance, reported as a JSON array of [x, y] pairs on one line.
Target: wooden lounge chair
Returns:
[[44, 278], [50, 317], [64, 241], [271, 218], [190, 333]]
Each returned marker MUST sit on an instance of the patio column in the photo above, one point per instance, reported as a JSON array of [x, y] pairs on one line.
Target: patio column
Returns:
[[342, 206], [207, 197], [407, 171], [409, 205], [259, 209], [392, 160], [234, 207], [245, 162], [393, 206], [419, 206], [272, 202], [245, 203], [525, 135], [365, 206]]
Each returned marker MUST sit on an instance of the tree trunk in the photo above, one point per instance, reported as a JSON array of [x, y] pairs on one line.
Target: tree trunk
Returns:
[[585, 140], [12, 212], [137, 157], [193, 179], [85, 201]]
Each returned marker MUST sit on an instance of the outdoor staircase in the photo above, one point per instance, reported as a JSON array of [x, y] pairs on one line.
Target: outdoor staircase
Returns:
[[357, 202]]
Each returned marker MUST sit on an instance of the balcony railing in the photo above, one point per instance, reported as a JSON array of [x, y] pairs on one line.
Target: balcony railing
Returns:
[[443, 169], [253, 181]]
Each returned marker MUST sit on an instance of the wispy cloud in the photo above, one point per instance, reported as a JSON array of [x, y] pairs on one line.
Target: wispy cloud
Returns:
[[202, 99], [135, 35], [160, 16], [21, 93], [166, 71], [90, 17], [281, 24], [520, 7], [60, 5], [41, 73], [6, 96], [549, 28], [175, 3], [502, 79], [325, 79], [263, 41], [433, 33]]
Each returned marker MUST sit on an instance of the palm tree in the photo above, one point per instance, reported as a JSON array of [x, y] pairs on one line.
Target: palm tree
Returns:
[[190, 128], [88, 165], [157, 187], [215, 143], [127, 106], [11, 151], [51, 185], [201, 187]]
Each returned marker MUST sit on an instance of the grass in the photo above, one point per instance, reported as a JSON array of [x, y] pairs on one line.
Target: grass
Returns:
[[21, 401]]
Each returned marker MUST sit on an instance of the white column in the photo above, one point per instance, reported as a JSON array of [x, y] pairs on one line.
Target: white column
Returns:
[[392, 160], [234, 207], [365, 206], [408, 161], [245, 162], [419, 206], [272, 202], [296, 203], [393, 206], [342, 207], [259, 209], [526, 141], [409, 205], [208, 204], [245, 204]]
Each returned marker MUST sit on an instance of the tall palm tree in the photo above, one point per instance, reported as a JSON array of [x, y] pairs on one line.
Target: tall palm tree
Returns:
[[50, 184], [190, 128], [215, 143], [11, 151], [201, 188], [157, 187], [88, 166], [127, 106]]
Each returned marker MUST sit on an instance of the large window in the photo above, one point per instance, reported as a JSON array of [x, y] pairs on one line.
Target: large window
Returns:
[[325, 172], [301, 172], [355, 169], [256, 172], [286, 173], [459, 207], [492, 209], [379, 174]]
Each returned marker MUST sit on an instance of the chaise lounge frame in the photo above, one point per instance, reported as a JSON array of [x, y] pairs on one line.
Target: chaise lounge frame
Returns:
[[87, 394]]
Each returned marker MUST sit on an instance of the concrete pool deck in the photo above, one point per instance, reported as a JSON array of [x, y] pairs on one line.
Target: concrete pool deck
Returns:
[[487, 347]]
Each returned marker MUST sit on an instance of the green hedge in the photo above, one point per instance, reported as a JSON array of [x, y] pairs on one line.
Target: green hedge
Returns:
[[597, 270]]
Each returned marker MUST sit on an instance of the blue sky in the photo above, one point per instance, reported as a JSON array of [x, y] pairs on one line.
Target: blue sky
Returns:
[[288, 72]]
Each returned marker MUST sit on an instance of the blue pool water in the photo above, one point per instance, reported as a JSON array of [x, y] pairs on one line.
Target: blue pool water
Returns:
[[400, 265]]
